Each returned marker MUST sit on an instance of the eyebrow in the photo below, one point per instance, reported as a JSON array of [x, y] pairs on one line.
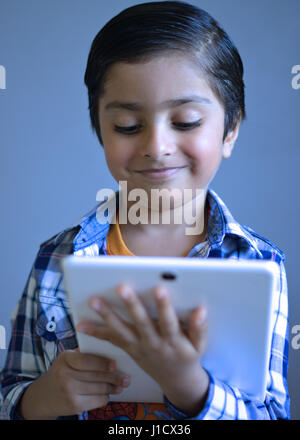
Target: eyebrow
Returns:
[[171, 103]]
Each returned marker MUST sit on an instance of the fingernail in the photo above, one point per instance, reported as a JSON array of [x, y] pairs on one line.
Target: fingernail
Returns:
[[126, 381], [96, 304], [118, 390], [125, 292], [201, 318], [161, 292], [82, 327]]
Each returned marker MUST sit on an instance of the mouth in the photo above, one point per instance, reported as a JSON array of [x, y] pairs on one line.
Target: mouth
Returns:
[[159, 173]]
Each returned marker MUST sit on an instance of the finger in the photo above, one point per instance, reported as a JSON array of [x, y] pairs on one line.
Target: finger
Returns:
[[101, 331], [167, 318], [95, 388], [137, 312], [116, 378], [115, 328], [198, 328], [106, 333], [88, 362]]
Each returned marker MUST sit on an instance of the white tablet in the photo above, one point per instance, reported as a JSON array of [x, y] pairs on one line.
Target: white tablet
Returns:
[[238, 295]]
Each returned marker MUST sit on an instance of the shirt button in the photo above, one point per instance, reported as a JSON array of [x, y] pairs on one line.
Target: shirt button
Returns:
[[51, 326]]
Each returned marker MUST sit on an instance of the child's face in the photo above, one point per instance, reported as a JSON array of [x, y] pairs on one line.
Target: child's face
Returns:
[[157, 141]]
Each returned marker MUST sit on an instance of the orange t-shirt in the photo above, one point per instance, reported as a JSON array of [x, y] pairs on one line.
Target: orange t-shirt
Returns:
[[115, 243], [126, 410]]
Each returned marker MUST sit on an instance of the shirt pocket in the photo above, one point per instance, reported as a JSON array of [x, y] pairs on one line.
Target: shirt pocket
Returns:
[[54, 326]]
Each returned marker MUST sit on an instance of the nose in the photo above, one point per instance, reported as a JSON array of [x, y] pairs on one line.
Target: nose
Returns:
[[157, 142]]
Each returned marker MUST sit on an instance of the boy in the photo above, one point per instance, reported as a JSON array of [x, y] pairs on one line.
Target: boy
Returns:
[[166, 99]]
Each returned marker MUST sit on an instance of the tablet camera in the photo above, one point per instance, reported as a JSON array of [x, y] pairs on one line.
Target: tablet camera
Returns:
[[168, 276]]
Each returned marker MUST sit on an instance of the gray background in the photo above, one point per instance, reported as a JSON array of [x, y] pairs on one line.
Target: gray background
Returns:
[[52, 166]]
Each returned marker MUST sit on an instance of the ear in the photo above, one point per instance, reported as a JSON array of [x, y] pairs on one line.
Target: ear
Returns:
[[230, 139]]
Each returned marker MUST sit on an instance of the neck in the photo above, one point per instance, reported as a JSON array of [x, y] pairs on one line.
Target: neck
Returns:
[[189, 219]]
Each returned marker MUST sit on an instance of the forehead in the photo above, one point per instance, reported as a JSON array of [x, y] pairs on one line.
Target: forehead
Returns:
[[158, 82]]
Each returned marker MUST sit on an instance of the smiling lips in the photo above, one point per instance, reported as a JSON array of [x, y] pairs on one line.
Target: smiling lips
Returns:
[[159, 173]]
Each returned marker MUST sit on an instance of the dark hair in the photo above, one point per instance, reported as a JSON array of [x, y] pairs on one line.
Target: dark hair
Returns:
[[143, 31]]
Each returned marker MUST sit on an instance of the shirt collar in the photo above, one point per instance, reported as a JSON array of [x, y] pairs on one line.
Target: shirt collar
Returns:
[[95, 224], [222, 223]]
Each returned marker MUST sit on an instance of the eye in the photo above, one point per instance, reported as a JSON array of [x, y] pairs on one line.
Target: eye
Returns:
[[126, 130], [182, 126], [188, 125]]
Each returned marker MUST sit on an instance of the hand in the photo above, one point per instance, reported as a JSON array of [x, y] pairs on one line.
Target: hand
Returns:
[[75, 382], [164, 350]]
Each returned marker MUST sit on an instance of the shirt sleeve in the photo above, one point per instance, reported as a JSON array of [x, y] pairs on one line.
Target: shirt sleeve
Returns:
[[229, 403], [25, 359]]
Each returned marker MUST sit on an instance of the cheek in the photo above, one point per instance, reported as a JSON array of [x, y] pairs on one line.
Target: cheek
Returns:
[[114, 153], [205, 152], [117, 158]]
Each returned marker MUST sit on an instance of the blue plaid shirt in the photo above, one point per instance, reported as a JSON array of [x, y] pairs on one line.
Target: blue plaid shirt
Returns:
[[42, 326]]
